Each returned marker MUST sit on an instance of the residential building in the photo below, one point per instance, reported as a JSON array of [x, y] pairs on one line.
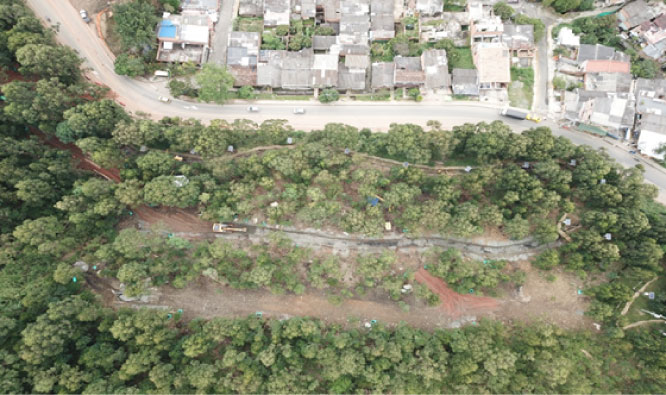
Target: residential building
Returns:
[[331, 10], [465, 82], [269, 68], [611, 110], [382, 20], [242, 54], [599, 52], [408, 72], [637, 12], [325, 70], [436, 67], [296, 73], [520, 41], [493, 63], [276, 13], [608, 82], [484, 25], [652, 35], [323, 43], [451, 25], [209, 6], [383, 75], [567, 38], [429, 7], [652, 128], [184, 37], [351, 78], [354, 23], [306, 9], [605, 66], [251, 8]]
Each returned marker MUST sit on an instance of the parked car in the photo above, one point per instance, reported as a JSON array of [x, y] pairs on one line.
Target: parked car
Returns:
[[533, 118], [299, 110], [253, 109], [164, 99], [84, 16]]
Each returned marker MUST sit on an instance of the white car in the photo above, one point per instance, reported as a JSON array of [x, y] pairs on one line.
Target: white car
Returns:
[[164, 99], [253, 109], [84, 16], [299, 110]]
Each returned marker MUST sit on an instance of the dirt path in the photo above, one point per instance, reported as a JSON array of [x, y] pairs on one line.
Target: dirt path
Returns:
[[453, 303], [641, 323], [207, 299], [638, 293]]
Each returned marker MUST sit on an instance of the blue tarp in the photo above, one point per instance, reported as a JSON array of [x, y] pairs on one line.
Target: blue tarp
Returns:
[[373, 201], [167, 30]]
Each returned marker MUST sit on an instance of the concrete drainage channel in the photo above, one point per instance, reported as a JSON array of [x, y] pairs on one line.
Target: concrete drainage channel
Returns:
[[513, 250]]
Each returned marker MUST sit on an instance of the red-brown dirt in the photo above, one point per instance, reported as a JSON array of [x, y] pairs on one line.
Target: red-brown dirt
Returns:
[[453, 303], [83, 161]]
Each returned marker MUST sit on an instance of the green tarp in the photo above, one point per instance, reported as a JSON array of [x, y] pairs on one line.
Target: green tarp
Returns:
[[583, 127]]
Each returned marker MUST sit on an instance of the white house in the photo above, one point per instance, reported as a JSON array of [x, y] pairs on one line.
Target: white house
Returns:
[[653, 134]]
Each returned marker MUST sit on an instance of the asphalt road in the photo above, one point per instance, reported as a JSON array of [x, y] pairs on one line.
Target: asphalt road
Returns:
[[142, 96]]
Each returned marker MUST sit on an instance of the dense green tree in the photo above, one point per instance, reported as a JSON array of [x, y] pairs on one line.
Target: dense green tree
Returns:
[[128, 65], [135, 22], [49, 61], [215, 83], [503, 10], [95, 119], [172, 191]]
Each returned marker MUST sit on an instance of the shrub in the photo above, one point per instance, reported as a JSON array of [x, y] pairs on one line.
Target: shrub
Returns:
[[547, 260], [328, 95]]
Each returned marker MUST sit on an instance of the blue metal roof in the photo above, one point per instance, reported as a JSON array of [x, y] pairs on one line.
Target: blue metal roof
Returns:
[[167, 30]]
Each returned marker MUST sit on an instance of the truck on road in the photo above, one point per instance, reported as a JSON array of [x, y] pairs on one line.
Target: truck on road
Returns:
[[515, 113]]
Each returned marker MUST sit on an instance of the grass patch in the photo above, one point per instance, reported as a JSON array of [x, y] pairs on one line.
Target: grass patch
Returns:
[[465, 97], [453, 8], [249, 25], [112, 38], [272, 96], [377, 96], [634, 314], [521, 90], [462, 58]]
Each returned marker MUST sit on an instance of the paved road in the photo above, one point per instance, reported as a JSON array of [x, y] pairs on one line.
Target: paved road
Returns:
[[142, 96]]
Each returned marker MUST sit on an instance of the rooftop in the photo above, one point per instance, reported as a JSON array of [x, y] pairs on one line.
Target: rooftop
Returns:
[[429, 7], [383, 74], [493, 62], [608, 82], [653, 123], [635, 13], [248, 40], [323, 43], [202, 5], [606, 66], [251, 8], [465, 81], [357, 61], [436, 69], [599, 52], [276, 12], [409, 63], [192, 27], [518, 36], [567, 37], [353, 79]]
